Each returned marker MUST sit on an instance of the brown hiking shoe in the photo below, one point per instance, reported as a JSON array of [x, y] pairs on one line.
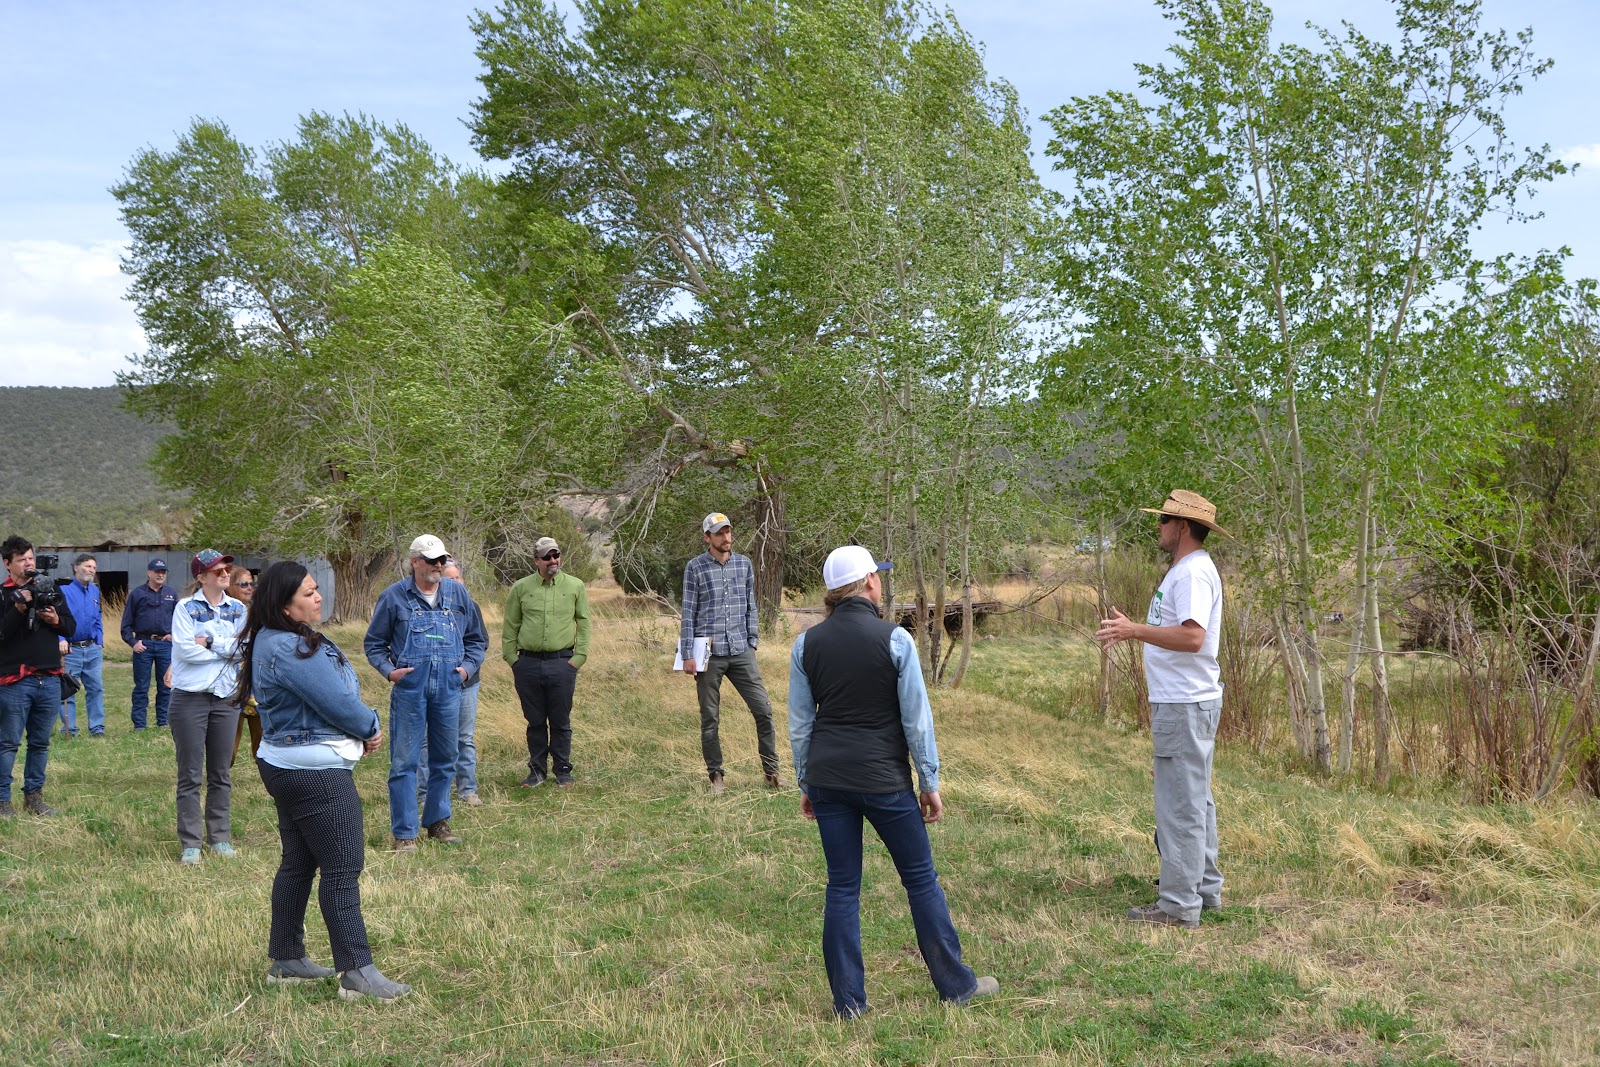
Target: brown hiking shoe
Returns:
[[1153, 914], [773, 781], [405, 844], [34, 802], [440, 832], [6, 810], [718, 783]]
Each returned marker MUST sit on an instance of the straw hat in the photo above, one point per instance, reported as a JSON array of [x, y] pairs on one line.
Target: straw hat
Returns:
[[1186, 505]]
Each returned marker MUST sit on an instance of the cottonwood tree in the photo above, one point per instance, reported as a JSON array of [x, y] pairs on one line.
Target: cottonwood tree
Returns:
[[787, 206], [333, 377], [1265, 250]]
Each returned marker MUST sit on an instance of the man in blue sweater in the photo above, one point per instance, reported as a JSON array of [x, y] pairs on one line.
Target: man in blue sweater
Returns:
[[83, 649]]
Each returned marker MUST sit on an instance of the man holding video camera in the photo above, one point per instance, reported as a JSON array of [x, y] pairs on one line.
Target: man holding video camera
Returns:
[[33, 617]]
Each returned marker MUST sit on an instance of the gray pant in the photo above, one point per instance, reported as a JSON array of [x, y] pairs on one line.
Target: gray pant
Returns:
[[742, 671], [203, 728], [1184, 737]]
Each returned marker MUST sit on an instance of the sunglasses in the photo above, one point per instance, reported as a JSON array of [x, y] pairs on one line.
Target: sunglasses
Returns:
[[1168, 518], [552, 554], [240, 585], [436, 562]]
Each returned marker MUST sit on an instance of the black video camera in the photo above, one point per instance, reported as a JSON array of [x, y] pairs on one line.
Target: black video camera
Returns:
[[43, 594]]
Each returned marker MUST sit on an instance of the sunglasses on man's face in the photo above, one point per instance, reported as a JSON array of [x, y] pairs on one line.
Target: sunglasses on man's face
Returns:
[[1168, 518], [440, 562], [550, 555]]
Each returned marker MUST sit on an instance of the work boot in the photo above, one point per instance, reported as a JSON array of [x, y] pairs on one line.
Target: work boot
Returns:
[[370, 982], [440, 832], [718, 783], [471, 800], [773, 781], [6, 810], [34, 802], [293, 972], [405, 844]]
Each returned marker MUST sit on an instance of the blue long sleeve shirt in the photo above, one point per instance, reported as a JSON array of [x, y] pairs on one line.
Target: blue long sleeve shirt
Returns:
[[84, 602], [719, 602], [916, 714]]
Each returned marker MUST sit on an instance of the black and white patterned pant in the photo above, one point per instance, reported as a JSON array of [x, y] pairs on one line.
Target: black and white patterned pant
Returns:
[[319, 820]]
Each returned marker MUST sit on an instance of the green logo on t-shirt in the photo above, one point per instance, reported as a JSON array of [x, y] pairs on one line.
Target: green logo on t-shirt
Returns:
[[1153, 616]]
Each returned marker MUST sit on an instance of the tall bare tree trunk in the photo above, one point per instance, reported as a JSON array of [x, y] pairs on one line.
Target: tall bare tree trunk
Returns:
[[1358, 623], [771, 543], [1103, 609], [1380, 683]]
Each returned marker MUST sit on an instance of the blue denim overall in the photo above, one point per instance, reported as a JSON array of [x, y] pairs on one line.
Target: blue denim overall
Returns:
[[425, 702]]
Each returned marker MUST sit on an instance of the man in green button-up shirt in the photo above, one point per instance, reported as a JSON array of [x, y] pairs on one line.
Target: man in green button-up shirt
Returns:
[[545, 638]]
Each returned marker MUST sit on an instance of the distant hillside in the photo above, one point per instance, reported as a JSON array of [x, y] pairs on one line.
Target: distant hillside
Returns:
[[87, 476]]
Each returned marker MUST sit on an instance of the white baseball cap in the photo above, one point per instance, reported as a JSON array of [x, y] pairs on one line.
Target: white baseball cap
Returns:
[[428, 547], [849, 563]]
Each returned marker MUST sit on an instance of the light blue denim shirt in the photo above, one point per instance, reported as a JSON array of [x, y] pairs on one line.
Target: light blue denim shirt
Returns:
[[304, 701], [916, 714]]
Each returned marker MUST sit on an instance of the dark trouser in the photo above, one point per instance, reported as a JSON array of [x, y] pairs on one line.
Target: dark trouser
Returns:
[[544, 686], [203, 726], [898, 822], [319, 821], [156, 655], [29, 705], [742, 671]]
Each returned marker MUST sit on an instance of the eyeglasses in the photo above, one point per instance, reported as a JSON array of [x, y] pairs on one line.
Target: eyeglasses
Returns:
[[550, 555], [440, 562], [244, 585]]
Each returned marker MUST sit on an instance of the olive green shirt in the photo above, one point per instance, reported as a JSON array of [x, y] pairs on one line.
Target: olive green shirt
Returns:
[[546, 616]]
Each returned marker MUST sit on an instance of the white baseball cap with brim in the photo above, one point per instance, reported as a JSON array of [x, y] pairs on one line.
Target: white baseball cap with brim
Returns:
[[428, 547], [1183, 504], [849, 563]]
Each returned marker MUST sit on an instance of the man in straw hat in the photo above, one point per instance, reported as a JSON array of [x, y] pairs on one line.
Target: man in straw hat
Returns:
[[1180, 634]]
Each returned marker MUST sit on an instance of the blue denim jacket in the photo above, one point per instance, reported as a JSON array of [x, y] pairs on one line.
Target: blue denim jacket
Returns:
[[310, 700], [401, 613]]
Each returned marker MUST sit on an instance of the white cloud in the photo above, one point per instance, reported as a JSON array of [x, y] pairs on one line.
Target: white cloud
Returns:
[[1587, 155], [63, 320]]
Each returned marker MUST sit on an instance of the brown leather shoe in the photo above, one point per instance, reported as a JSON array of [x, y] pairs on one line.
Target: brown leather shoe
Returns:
[[773, 781], [718, 784], [34, 802], [405, 844], [440, 832]]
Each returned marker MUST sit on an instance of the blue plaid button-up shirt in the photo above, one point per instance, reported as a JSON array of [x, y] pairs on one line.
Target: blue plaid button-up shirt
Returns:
[[719, 602]]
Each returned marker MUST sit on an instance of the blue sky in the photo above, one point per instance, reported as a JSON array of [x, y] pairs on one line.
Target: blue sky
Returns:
[[87, 84]]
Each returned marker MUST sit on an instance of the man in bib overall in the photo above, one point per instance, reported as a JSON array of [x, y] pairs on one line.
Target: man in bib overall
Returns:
[[426, 640]]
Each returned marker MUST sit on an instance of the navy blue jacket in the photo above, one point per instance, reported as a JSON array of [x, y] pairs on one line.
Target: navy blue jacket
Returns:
[[148, 612]]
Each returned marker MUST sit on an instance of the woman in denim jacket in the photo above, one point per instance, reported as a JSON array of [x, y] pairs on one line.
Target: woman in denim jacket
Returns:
[[314, 729]]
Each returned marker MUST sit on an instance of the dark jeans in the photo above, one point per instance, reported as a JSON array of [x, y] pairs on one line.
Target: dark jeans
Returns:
[[319, 821], [545, 686], [28, 705], [203, 729], [157, 655], [898, 822], [742, 671]]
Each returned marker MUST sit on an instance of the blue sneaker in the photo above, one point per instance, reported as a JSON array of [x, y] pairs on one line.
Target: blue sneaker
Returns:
[[223, 848], [190, 857]]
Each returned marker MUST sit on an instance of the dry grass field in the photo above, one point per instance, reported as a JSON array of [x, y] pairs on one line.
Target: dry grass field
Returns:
[[636, 919]]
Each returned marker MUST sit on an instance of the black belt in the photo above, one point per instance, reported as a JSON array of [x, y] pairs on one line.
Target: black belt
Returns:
[[150, 637], [565, 653], [81, 644]]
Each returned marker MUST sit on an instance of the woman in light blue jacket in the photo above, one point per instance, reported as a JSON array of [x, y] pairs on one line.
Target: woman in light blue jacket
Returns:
[[314, 728]]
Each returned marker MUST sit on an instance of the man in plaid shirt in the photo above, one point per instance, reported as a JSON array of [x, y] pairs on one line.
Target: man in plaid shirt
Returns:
[[719, 603]]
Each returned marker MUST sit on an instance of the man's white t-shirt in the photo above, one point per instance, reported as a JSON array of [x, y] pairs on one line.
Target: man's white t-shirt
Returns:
[[1192, 589]]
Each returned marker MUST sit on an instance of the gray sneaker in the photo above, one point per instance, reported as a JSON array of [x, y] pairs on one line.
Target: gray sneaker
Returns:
[[293, 972], [534, 780], [987, 986], [370, 982], [1214, 904], [1153, 914]]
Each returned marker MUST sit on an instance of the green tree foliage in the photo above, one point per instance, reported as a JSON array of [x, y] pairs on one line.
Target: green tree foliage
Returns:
[[776, 222], [1271, 252], [335, 382]]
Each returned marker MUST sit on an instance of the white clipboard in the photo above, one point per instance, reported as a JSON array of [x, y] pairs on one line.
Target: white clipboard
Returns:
[[701, 650]]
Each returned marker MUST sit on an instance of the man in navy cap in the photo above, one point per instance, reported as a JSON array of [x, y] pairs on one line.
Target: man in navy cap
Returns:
[[147, 629]]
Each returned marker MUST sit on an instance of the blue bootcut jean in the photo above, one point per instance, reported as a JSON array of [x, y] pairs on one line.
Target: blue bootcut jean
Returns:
[[29, 705], [424, 703], [155, 659], [898, 822], [84, 665]]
